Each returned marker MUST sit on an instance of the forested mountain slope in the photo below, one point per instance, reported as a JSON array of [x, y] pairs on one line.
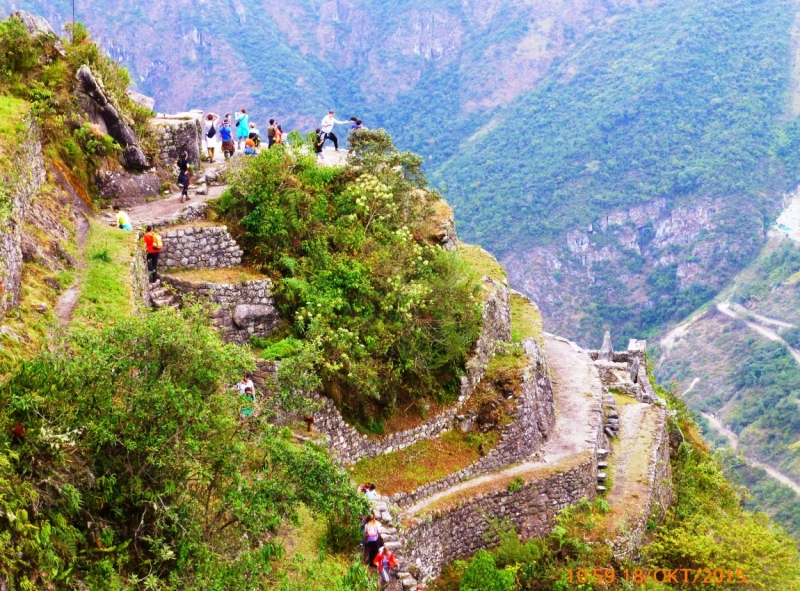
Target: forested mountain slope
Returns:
[[636, 178]]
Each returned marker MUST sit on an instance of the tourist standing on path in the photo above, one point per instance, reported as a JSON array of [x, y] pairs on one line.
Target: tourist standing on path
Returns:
[[183, 176], [210, 130], [271, 133], [242, 127], [123, 219], [372, 539], [385, 562], [327, 128], [153, 244], [226, 135], [319, 139]]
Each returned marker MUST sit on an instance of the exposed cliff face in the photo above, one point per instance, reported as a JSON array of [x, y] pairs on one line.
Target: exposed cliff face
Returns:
[[260, 54], [628, 260]]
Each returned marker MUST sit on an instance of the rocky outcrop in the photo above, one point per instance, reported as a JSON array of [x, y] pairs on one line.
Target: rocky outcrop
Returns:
[[36, 25], [200, 248], [23, 178], [126, 189], [104, 113], [141, 99], [241, 310]]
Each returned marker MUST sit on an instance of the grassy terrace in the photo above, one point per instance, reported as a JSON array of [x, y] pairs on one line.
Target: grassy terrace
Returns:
[[481, 262], [526, 320], [106, 290], [423, 462], [230, 275]]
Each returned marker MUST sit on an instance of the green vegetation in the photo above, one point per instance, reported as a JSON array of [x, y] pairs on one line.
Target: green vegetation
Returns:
[[12, 132], [705, 528], [526, 320], [106, 292], [35, 70], [768, 496], [481, 262], [383, 317], [123, 464]]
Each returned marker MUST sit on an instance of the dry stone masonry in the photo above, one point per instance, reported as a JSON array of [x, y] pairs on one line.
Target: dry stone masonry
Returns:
[[242, 309], [625, 372], [430, 543], [200, 248], [177, 133], [23, 179], [532, 425]]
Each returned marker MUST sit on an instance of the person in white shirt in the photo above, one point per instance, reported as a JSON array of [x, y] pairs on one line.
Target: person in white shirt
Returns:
[[245, 384], [210, 129], [327, 129]]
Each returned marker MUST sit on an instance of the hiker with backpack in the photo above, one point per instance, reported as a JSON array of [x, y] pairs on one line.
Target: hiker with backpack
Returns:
[[226, 135], [210, 129], [372, 539], [184, 177], [153, 244], [254, 135], [242, 127], [327, 128]]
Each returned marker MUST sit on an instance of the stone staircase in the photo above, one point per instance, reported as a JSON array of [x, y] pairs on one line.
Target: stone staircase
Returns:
[[161, 297]]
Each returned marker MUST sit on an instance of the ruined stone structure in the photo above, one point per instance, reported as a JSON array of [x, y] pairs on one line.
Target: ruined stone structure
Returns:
[[176, 133], [243, 309], [200, 248]]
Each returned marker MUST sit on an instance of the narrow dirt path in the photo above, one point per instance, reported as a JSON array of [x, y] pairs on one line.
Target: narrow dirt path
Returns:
[[67, 301], [631, 455], [577, 393], [733, 439], [166, 208], [691, 386]]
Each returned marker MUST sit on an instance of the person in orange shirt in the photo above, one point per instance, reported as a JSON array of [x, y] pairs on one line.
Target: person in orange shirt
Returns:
[[153, 243]]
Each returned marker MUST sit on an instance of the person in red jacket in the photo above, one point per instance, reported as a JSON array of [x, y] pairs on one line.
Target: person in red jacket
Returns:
[[385, 562], [152, 242]]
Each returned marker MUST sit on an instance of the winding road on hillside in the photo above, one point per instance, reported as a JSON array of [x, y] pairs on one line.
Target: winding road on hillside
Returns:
[[732, 438], [739, 313]]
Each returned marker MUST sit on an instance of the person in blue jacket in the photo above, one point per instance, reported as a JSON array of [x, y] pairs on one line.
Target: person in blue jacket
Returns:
[[242, 127], [226, 136]]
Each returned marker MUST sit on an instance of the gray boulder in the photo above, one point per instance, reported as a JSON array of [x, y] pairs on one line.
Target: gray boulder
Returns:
[[102, 111], [142, 99], [606, 351], [127, 189], [36, 25]]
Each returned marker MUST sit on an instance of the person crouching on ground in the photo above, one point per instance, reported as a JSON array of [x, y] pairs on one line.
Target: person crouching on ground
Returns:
[[385, 562], [123, 219], [153, 244]]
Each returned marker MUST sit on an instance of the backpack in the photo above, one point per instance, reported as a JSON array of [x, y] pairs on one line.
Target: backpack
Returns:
[[212, 132], [158, 244]]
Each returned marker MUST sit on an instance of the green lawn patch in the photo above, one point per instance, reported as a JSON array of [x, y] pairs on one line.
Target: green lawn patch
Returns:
[[481, 262], [423, 462], [526, 320], [106, 290]]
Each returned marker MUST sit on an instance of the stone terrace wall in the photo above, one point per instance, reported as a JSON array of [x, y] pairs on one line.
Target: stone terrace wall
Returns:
[[200, 248], [430, 544], [350, 446], [534, 421], [244, 309], [140, 277], [24, 180], [659, 479]]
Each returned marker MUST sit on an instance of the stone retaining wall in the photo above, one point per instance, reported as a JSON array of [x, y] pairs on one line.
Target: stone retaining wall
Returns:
[[532, 426], [659, 497], [140, 277], [177, 133], [23, 180], [200, 248], [243, 309], [433, 542]]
